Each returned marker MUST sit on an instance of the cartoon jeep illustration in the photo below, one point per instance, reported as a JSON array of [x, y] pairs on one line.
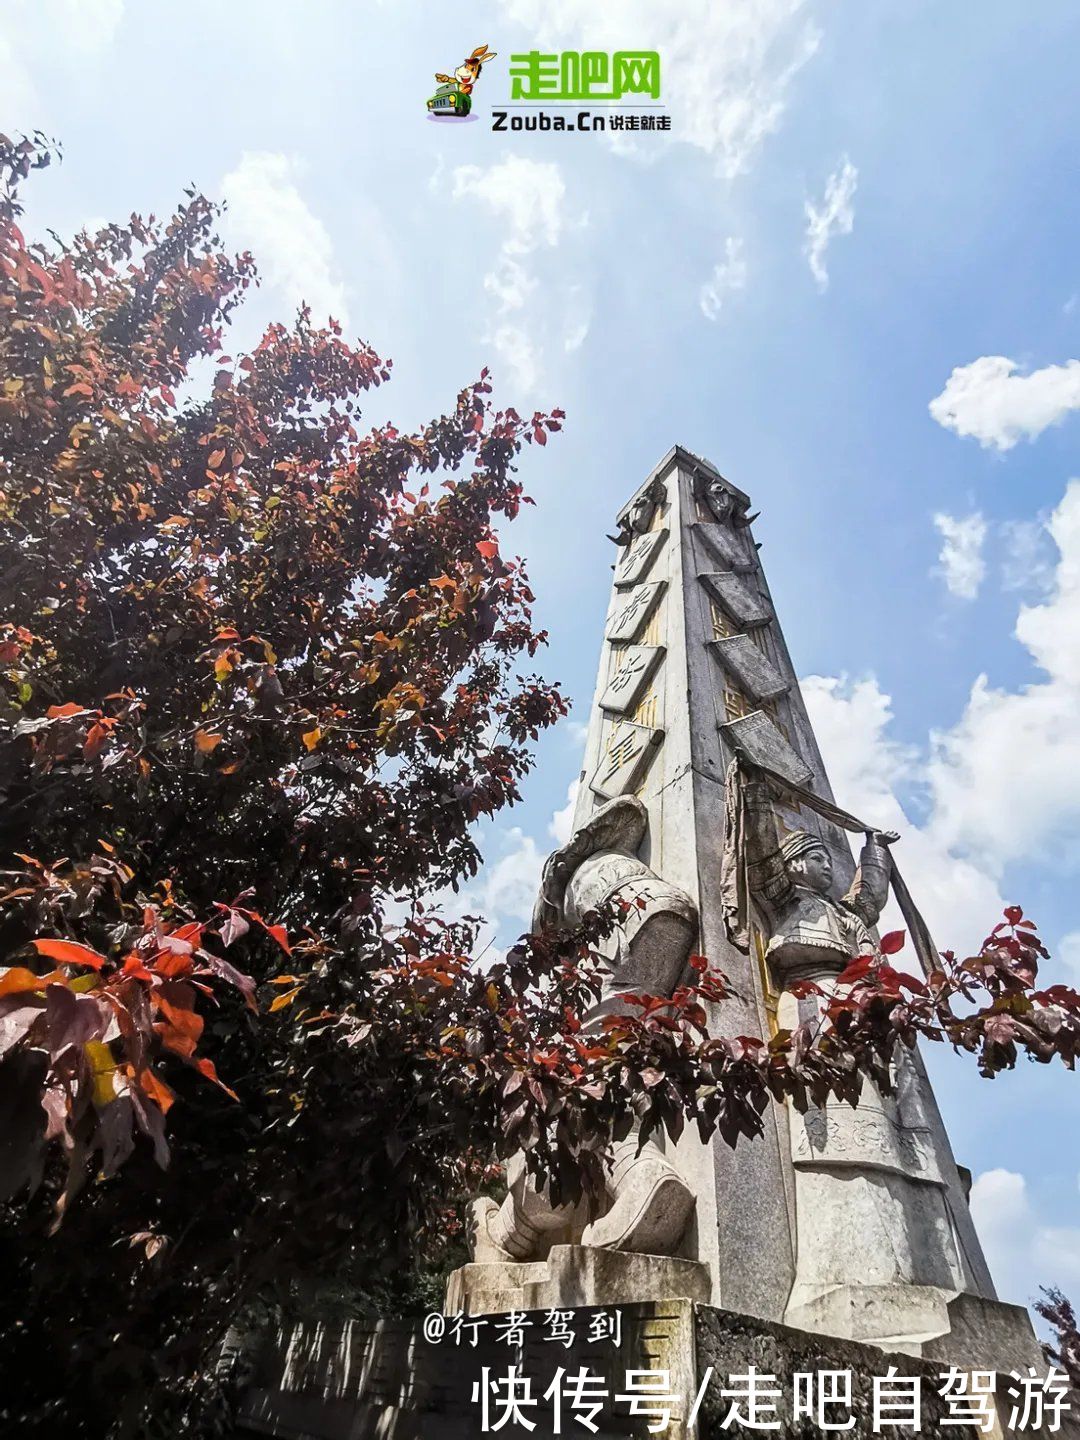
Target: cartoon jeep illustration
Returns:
[[450, 100], [454, 95]]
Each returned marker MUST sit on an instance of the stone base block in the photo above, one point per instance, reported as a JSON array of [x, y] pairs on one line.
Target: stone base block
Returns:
[[988, 1335], [924, 1320], [574, 1275]]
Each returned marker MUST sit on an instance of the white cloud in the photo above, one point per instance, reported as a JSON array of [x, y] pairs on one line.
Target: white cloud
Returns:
[[866, 766], [1028, 559], [836, 216], [86, 25], [962, 564], [578, 319], [526, 201], [990, 401], [561, 826], [726, 68], [728, 275], [292, 247], [1005, 780], [520, 356], [511, 883], [1068, 952], [527, 196], [510, 284], [39, 36], [1022, 1251], [999, 787]]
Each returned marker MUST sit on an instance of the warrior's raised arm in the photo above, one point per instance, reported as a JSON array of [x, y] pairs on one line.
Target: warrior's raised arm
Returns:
[[870, 888], [766, 872]]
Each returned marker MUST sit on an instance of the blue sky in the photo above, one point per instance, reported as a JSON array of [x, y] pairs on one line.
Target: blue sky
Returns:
[[848, 277]]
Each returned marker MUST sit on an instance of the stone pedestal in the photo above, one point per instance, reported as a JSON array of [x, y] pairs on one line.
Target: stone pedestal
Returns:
[[574, 1275], [383, 1380]]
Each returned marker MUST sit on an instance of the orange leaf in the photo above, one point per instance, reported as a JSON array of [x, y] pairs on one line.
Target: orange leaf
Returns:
[[156, 1089], [311, 738], [216, 457], [281, 935], [18, 978], [54, 712], [95, 740], [206, 1067], [179, 1017], [487, 548], [68, 953], [280, 1001], [135, 968], [172, 963], [205, 741]]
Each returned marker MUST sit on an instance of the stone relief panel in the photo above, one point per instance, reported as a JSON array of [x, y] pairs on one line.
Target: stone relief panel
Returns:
[[728, 548], [743, 604], [637, 559], [752, 671], [634, 610], [629, 754], [637, 666], [755, 738], [866, 1138]]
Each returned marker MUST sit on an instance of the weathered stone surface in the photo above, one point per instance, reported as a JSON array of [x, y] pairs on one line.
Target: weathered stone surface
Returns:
[[633, 611], [574, 1275], [637, 558], [757, 739], [752, 671], [628, 757], [731, 1343], [637, 666], [741, 601], [730, 548]]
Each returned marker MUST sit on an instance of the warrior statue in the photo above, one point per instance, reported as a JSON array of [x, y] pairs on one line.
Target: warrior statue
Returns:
[[793, 878], [648, 1203], [880, 1168]]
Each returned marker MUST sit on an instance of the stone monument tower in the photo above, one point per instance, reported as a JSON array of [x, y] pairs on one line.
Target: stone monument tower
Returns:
[[846, 1222], [838, 1241]]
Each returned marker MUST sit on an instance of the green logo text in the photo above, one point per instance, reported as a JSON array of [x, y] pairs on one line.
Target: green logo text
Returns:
[[585, 75]]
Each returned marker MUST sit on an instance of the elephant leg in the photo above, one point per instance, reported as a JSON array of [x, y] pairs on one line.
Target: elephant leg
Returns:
[[651, 1203]]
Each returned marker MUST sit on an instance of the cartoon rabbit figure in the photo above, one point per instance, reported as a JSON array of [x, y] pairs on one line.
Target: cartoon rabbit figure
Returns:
[[467, 74]]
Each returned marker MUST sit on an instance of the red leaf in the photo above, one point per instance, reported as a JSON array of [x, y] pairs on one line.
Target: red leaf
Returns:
[[68, 953], [206, 1067], [95, 740], [892, 942], [1013, 914], [281, 935], [487, 548], [858, 968]]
